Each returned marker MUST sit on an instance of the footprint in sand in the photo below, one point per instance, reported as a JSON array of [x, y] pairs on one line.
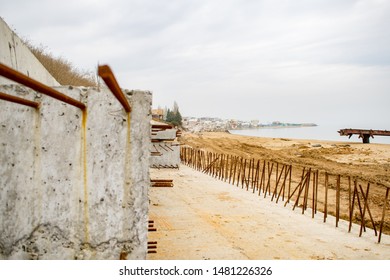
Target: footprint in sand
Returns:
[[353, 249]]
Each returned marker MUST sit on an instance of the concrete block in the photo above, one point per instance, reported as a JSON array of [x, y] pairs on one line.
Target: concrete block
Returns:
[[74, 185], [168, 134], [168, 154]]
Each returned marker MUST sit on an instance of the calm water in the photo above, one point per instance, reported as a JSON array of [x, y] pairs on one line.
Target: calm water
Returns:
[[320, 132]]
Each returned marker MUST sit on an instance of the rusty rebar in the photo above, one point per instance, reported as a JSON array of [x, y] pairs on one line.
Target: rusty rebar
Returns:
[[268, 187], [365, 197], [383, 214], [262, 180], [256, 183], [338, 200], [301, 185], [19, 100], [104, 71], [18, 77], [352, 205], [275, 193], [326, 196], [282, 188]]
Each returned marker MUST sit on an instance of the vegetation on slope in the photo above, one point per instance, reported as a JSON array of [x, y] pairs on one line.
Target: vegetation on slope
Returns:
[[61, 69]]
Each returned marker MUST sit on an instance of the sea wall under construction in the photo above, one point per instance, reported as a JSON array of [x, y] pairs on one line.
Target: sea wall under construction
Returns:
[[74, 183]]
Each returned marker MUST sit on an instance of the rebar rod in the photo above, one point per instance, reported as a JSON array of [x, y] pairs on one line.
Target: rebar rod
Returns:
[[19, 100], [18, 77], [108, 77]]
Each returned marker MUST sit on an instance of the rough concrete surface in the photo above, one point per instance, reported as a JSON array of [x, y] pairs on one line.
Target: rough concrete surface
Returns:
[[165, 147], [74, 185], [168, 154], [167, 134], [204, 218]]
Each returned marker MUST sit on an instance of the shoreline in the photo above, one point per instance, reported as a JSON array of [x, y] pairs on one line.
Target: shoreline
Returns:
[[327, 132], [228, 132], [275, 126]]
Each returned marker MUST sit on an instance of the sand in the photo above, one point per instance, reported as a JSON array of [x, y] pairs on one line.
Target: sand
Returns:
[[204, 218]]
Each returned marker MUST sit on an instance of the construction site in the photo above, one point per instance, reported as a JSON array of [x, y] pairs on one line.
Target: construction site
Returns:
[[86, 173]]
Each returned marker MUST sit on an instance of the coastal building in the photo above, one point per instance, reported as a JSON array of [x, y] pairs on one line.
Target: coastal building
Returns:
[[245, 125], [216, 124], [254, 123], [232, 124]]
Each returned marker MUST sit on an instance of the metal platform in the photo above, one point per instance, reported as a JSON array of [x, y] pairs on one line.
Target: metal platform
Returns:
[[365, 134]]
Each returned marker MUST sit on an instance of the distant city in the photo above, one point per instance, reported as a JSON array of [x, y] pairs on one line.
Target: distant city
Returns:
[[216, 124], [195, 124]]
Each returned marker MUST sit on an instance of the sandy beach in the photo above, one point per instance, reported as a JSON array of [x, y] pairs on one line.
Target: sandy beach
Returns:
[[202, 217]]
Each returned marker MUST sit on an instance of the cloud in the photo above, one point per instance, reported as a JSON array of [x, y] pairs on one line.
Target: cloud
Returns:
[[231, 58]]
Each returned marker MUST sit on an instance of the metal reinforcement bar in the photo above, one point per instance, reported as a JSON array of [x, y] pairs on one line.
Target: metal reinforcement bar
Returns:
[[19, 100], [151, 226], [160, 127], [161, 183], [18, 77], [152, 247], [104, 71]]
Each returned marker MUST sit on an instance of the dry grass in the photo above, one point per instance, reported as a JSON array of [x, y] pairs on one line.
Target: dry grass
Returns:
[[61, 69]]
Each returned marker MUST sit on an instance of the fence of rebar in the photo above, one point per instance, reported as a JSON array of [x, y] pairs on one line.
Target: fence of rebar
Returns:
[[344, 197]]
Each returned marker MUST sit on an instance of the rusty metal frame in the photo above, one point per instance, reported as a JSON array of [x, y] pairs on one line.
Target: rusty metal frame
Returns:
[[16, 76], [105, 72], [18, 100]]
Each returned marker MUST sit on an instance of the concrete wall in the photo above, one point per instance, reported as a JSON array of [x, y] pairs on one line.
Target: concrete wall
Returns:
[[74, 186], [169, 155], [167, 134], [14, 53], [165, 148]]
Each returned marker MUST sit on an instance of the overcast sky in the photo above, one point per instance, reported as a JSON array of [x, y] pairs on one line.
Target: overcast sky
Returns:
[[322, 61]]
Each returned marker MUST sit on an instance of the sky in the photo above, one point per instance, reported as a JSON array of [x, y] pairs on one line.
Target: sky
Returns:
[[321, 61]]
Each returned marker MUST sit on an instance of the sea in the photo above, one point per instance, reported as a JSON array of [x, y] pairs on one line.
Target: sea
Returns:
[[319, 132]]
